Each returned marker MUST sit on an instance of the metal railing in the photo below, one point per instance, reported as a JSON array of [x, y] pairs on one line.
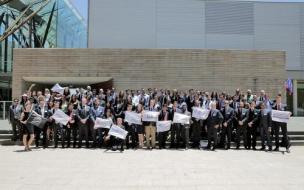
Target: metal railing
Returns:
[[4, 109]]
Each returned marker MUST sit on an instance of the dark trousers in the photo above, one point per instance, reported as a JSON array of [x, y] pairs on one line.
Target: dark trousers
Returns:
[[59, 132], [92, 134], [45, 139], [176, 135], [241, 131], [99, 137], [131, 138], [265, 136], [162, 138], [276, 128], [72, 131], [37, 132], [196, 133], [83, 135], [251, 136], [14, 124], [116, 143], [226, 132], [212, 135], [185, 135]]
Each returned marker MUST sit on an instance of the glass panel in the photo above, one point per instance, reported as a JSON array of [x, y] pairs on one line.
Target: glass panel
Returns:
[[300, 98]]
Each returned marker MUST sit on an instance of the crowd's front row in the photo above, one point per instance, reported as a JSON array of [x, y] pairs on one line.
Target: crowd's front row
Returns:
[[227, 120]]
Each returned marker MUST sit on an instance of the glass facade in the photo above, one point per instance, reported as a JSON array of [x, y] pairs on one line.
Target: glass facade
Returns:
[[300, 96], [295, 101], [57, 25]]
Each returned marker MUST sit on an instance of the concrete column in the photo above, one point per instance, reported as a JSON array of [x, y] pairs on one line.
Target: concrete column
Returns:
[[295, 97]]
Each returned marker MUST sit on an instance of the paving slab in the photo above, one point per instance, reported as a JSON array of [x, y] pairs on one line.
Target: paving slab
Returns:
[[143, 169]]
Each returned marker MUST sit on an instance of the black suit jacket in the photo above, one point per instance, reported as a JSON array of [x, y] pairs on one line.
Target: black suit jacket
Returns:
[[215, 117], [228, 116]]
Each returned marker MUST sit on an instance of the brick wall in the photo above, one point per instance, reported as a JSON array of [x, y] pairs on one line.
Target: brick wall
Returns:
[[205, 69]]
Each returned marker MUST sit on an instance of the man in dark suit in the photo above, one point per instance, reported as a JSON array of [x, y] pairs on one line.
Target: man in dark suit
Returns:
[[213, 121], [277, 125], [228, 114], [162, 136], [253, 121], [265, 127], [83, 116], [175, 127], [242, 119], [15, 111], [196, 128]]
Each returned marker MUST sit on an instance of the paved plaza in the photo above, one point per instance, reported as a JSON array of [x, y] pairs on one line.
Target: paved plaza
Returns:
[[143, 169]]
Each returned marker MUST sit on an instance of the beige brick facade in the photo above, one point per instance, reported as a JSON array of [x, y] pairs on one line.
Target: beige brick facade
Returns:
[[204, 69]]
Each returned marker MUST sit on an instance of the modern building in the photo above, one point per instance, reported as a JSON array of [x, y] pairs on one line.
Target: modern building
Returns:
[[51, 24], [220, 24]]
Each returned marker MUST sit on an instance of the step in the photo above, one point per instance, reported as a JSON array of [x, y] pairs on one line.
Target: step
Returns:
[[295, 132], [6, 132], [6, 136]]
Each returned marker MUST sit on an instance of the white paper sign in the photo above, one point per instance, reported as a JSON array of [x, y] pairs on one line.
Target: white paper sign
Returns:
[[200, 113], [36, 120], [73, 91], [57, 88], [181, 118], [118, 132], [60, 117], [163, 126], [150, 116], [133, 117], [103, 123], [280, 116]]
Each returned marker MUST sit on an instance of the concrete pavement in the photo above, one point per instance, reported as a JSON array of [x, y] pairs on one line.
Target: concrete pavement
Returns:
[[142, 169]]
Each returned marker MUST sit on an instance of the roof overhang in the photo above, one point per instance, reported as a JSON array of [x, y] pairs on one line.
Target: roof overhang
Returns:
[[67, 80]]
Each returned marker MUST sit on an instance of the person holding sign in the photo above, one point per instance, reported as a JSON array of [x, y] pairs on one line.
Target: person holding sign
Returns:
[[150, 126], [214, 119], [71, 127], [185, 126], [228, 114], [28, 128], [58, 129], [42, 110], [176, 127], [196, 127], [96, 111], [83, 116], [131, 128], [117, 142], [140, 128], [277, 125], [104, 131], [162, 136]]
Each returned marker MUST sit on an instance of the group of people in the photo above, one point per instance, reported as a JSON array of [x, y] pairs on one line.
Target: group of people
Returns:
[[240, 117]]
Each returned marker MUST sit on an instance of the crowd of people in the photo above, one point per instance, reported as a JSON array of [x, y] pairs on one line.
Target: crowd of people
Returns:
[[239, 117]]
